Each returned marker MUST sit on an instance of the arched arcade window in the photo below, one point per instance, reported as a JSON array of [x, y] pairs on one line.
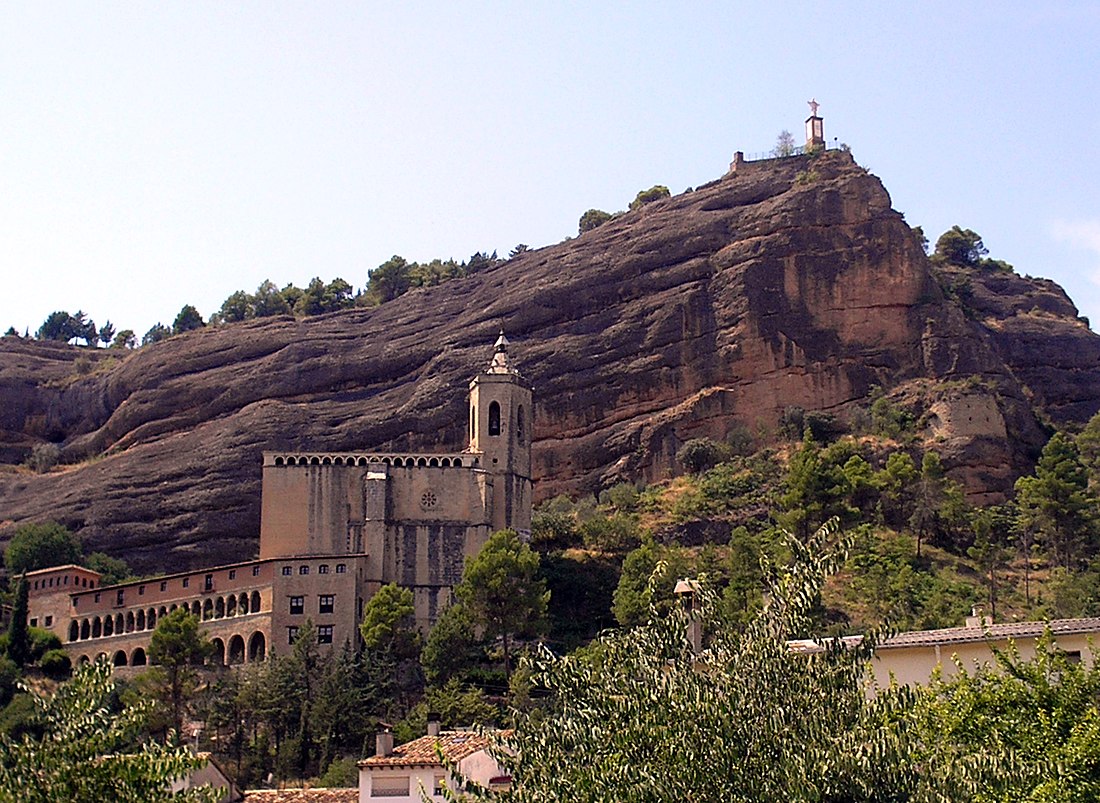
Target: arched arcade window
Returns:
[[494, 418]]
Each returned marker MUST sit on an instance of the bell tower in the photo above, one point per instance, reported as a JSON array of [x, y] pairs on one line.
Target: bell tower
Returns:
[[501, 416]]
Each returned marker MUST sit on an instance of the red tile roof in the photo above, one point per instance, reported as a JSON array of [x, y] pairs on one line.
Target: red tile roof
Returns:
[[425, 751], [302, 796]]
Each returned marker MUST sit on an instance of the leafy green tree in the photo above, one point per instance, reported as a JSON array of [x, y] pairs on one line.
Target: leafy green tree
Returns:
[[177, 648], [389, 623], [480, 261], [187, 320], [38, 546], [107, 333], [939, 507], [19, 644], [990, 550], [238, 307], [340, 718], [701, 454], [157, 332], [84, 328], [1088, 449], [84, 748], [649, 574], [452, 647], [1017, 730], [1056, 503], [57, 326], [43, 457], [312, 300], [553, 530], [126, 339], [292, 294], [962, 247], [593, 219], [113, 570], [456, 705], [898, 481], [389, 280], [268, 301], [641, 717], [784, 144], [654, 193], [502, 590]]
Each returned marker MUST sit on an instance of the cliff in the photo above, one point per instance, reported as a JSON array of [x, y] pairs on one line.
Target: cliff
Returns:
[[789, 282]]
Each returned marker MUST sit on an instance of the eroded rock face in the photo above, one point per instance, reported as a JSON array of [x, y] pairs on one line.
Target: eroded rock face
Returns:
[[787, 283]]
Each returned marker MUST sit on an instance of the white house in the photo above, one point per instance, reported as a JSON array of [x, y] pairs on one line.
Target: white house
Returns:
[[400, 773], [910, 658]]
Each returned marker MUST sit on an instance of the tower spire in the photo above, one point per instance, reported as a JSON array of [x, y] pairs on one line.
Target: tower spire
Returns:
[[500, 364]]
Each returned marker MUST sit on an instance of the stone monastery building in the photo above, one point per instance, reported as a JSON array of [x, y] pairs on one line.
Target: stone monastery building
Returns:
[[334, 528]]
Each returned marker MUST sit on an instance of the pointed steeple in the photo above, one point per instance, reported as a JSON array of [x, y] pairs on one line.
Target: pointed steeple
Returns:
[[500, 364]]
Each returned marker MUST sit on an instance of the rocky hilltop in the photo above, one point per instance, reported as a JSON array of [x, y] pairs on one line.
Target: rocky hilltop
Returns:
[[789, 282]]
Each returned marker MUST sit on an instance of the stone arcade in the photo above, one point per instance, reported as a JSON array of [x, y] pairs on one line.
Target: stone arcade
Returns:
[[334, 528]]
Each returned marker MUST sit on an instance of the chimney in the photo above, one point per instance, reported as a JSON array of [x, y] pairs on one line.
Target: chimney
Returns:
[[383, 743], [434, 724]]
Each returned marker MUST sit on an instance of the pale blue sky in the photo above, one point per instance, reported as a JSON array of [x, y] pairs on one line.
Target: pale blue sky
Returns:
[[159, 154]]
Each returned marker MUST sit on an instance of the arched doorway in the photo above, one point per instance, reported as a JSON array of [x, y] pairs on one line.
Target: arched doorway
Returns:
[[138, 657], [257, 647], [236, 651], [217, 658], [119, 659]]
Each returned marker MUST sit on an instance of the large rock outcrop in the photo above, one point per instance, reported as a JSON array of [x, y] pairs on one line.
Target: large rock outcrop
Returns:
[[790, 282]]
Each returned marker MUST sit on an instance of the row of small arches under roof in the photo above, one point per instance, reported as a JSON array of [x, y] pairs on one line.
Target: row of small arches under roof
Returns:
[[406, 461]]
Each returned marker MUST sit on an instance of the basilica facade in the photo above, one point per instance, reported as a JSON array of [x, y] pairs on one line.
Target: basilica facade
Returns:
[[334, 528]]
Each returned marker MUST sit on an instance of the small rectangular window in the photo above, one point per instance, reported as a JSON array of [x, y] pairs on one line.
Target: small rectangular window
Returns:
[[255, 571], [120, 597], [34, 622], [389, 786], [287, 571], [208, 582], [66, 579], [438, 785], [303, 570], [49, 621], [186, 582], [163, 585], [232, 574], [297, 605], [322, 569], [291, 634], [141, 591], [97, 596], [341, 568], [326, 603], [324, 634]]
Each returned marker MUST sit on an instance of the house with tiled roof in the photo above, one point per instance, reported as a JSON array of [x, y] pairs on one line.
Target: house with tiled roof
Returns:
[[335, 795], [426, 765], [910, 658]]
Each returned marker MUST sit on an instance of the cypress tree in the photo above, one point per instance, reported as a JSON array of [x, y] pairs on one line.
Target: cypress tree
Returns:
[[19, 648]]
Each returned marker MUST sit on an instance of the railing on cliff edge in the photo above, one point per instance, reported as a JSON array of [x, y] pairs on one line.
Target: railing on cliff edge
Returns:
[[801, 150]]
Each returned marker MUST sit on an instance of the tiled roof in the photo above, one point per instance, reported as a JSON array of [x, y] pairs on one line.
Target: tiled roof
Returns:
[[1007, 630], [422, 752], [302, 796]]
